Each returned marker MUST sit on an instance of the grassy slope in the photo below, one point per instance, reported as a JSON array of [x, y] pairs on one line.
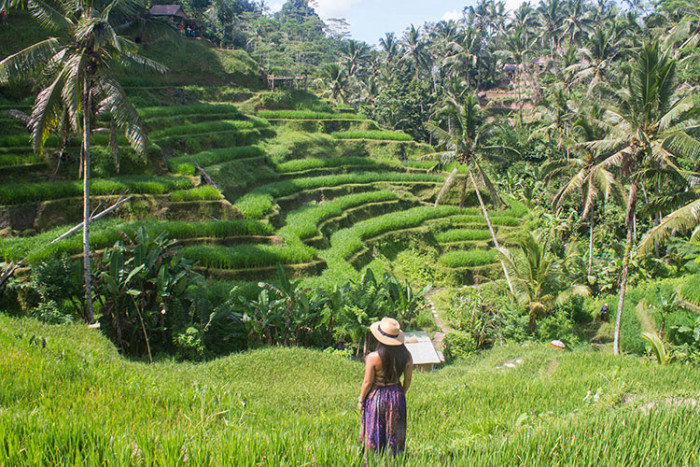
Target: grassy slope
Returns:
[[76, 398]]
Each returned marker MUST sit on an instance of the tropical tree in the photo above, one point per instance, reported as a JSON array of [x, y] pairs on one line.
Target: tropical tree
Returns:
[[76, 76], [415, 51], [466, 143], [651, 123], [585, 174], [540, 278]]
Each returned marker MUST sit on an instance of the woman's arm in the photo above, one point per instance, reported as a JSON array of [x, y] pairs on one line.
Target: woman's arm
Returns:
[[370, 363], [407, 375]]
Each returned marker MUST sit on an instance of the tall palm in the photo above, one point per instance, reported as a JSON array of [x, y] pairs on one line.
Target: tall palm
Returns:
[[77, 78], [585, 174], [595, 59], [551, 16], [651, 123], [415, 51], [462, 53], [336, 82], [466, 143], [354, 54], [390, 46], [578, 20]]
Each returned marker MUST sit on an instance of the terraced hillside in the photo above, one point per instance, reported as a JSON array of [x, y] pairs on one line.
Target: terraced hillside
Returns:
[[318, 192]]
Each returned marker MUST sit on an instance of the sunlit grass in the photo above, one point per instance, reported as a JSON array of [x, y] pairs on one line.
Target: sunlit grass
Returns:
[[67, 397]]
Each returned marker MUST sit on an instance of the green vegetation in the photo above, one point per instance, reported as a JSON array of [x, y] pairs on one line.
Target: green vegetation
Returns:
[[266, 406], [186, 164], [247, 256], [461, 235], [468, 258], [203, 192], [259, 202], [307, 115], [34, 192], [380, 135]]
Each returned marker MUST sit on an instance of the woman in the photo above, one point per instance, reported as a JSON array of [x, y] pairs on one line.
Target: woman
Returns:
[[383, 397]]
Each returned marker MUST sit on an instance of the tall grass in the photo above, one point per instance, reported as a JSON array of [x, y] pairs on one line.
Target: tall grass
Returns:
[[142, 184], [106, 232], [186, 164], [304, 222], [468, 258], [380, 135], [307, 115], [9, 160], [209, 127], [460, 235], [247, 256], [298, 165], [68, 398], [148, 113], [203, 192], [259, 202]]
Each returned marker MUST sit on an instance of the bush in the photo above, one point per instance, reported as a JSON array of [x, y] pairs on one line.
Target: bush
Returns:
[[458, 344]]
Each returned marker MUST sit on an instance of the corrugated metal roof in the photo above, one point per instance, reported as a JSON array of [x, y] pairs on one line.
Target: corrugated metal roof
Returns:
[[167, 10], [421, 348]]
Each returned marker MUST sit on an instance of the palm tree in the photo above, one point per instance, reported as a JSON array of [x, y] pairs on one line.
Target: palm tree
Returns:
[[77, 78], [551, 18], [354, 54], [589, 177], [578, 21], [390, 46], [595, 60], [540, 277], [650, 122], [415, 50], [466, 143], [336, 80]]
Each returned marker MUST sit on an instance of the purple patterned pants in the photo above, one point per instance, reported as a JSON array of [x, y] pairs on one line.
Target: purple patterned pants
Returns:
[[384, 419]]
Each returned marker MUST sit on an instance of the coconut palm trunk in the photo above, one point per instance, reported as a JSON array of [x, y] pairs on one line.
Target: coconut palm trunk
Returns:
[[87, 103], [488, 223], [625, 264], [590, 244]]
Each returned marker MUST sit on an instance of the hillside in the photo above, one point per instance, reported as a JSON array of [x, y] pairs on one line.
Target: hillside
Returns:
[[66, 394]]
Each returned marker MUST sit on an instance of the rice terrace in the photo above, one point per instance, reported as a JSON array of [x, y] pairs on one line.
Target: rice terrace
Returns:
[[205, 205]]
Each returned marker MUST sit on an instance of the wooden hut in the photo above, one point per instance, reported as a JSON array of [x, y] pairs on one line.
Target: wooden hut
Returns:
[[175, 12]]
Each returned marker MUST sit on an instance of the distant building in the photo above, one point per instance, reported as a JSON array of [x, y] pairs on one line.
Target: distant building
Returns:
[[511, 70], [425, 357], [172, 11]]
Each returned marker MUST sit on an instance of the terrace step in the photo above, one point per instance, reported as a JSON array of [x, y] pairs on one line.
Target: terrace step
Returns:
[[295, 271], [233, 240]]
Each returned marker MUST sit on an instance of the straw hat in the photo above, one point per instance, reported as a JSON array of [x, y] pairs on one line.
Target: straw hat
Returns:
[[387, 331]]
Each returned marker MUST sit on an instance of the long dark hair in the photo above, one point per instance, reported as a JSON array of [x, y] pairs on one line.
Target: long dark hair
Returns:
[[394, 360]]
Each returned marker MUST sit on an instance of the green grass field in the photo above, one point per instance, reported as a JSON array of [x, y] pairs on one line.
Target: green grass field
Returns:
[[68, 398]]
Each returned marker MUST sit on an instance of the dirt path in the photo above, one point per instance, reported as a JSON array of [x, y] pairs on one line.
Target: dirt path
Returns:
[[440, 335]]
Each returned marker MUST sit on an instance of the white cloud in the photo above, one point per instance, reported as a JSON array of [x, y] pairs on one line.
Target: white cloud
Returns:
[[334, 8], [276, 6], [452, 15]]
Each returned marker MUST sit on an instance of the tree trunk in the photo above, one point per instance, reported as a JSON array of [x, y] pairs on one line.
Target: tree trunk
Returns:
[[590, 245], [488, 223], [87, 105], [629, 221]]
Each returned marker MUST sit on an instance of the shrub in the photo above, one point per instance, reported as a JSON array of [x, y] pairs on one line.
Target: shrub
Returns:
[[458, 344], [381, 135]]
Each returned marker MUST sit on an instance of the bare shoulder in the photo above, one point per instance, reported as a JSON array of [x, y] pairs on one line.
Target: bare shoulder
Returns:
[[373, 358]]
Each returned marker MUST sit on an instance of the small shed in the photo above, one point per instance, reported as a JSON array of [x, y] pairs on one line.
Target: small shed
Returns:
[[425, 357], [172, 11], [511, 70]]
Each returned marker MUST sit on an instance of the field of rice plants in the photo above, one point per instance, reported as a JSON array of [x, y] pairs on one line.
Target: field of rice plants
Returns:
[[516, 405], [379, 135]]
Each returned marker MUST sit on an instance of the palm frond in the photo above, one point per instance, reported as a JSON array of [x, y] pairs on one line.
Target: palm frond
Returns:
[[681, 144], [49, 14], [683, 219], [142, 63], [122, 112], [27, 61], [46, 112]]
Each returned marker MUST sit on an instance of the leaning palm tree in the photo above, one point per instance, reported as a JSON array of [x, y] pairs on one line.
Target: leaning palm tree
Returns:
[[466, 144], [75, 73], [651, 124]]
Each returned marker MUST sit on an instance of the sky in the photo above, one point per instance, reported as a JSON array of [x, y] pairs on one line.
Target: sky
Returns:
[[370, 19]]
